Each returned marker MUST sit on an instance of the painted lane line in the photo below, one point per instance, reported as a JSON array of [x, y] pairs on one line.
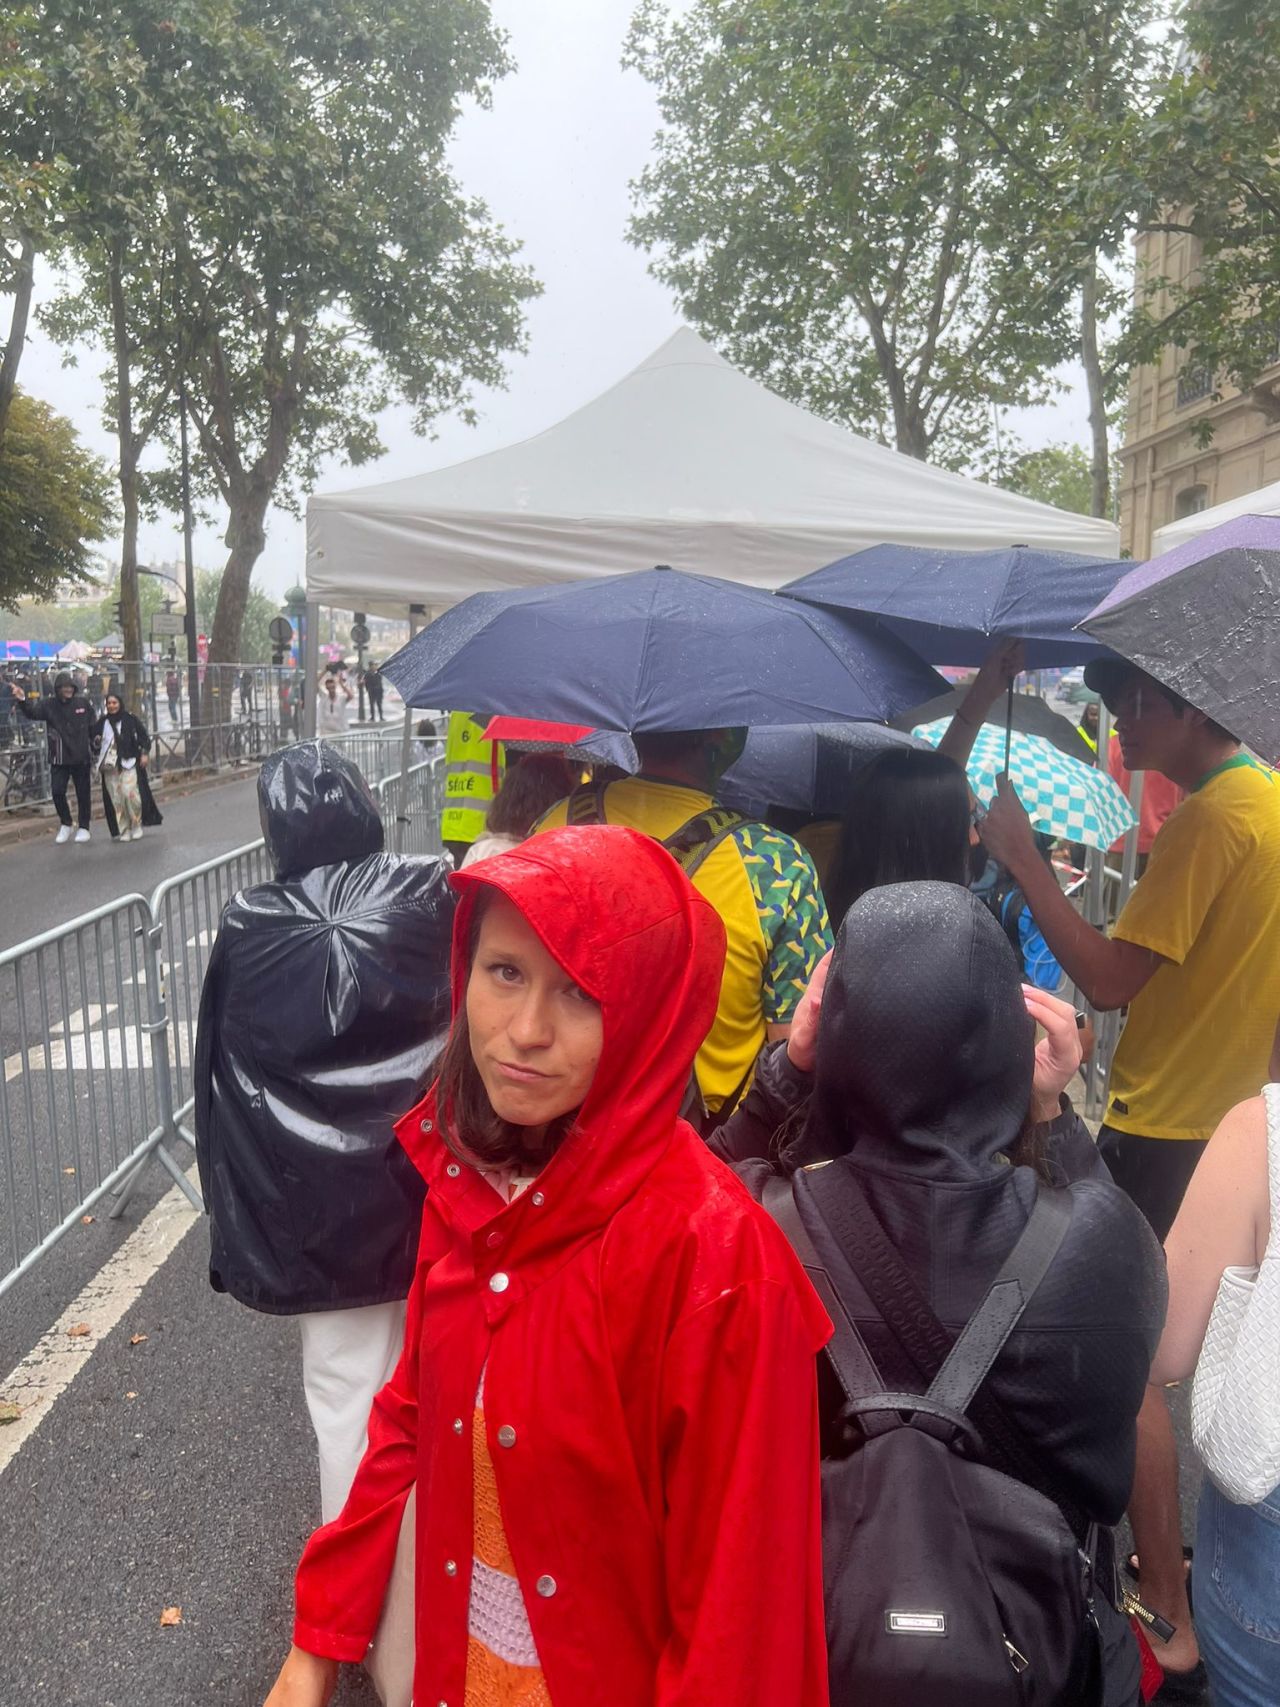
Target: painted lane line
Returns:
[[45, 1373]]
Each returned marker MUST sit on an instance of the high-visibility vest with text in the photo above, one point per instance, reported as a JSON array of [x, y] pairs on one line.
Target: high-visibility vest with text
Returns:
[[473, 773]]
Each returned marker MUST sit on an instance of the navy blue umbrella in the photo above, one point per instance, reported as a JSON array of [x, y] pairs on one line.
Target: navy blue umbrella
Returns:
[[952, 606], [657, 650], [806, 767]]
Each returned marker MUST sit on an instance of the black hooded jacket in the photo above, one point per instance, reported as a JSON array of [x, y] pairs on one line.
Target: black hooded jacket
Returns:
[[70, 723], [923, 1082], [325, 1002]]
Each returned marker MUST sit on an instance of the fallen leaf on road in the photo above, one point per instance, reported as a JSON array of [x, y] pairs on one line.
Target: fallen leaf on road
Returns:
[[9, 1412], [131, 1395], [79, 1331], [68, 1170], [86, 1220], [136, 1339], [170, 1616]]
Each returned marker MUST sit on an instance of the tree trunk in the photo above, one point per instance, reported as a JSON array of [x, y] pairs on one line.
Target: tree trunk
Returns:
[[24, 284], [1100, 450], [130, 450], [247, 537]]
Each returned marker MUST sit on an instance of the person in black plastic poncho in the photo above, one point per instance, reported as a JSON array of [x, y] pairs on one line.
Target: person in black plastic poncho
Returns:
[[326, 999]]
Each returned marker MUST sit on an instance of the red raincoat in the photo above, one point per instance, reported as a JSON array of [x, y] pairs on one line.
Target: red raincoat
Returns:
[[647, 1334]]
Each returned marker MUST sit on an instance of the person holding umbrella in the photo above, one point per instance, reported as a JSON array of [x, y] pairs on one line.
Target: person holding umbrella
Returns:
[[1195, 956]]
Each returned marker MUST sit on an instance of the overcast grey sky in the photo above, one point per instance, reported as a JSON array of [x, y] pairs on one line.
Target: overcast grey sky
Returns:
[[553, 158]]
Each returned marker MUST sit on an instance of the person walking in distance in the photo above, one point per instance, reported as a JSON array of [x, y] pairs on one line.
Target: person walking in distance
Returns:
[[173, 692], [123, 744], [333, 707], [373, 686], [69, 718], [1195, 956]]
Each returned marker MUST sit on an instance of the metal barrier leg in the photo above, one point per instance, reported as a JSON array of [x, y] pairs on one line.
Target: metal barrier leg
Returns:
[[157, 1028]]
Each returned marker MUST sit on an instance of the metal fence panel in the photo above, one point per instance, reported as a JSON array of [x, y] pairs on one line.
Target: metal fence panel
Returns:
[[77, 1102], [98, 1025]]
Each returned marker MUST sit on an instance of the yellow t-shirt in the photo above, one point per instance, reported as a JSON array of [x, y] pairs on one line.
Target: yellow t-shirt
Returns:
[[1199, 1034], [765, 889]]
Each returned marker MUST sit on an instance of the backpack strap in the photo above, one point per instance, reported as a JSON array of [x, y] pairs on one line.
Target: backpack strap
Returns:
[[853, 1363], [701, 835], [982, 1339], [586, 804]]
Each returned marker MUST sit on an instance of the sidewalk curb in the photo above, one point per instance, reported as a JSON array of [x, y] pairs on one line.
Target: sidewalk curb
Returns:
[[29, 829]]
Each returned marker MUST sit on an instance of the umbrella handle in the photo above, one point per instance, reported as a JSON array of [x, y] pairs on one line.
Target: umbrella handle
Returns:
[[1008, 728]]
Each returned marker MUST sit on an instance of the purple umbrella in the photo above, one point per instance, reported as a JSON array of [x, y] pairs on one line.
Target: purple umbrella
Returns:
[[1204, 619]]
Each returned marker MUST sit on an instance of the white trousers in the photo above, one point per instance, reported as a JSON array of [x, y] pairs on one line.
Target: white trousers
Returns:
[[347, 1357]]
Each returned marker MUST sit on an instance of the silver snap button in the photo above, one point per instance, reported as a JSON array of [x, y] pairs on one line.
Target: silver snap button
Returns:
[[457, 1425], [451, 1567], [453, 1170], [499, 1282], [537, 1200], [428, 1126], [546, 1587], [506, 1435]]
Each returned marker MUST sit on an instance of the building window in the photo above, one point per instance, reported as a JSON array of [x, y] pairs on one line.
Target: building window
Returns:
[[1194, 383], [1190, 501]]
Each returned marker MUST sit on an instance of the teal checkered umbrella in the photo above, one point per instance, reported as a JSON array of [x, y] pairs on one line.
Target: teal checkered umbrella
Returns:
[[1063, 796]]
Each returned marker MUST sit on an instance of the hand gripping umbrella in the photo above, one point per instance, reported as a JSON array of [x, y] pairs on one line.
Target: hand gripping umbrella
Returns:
[[1204, 619], [657, 650], [1063, 797]]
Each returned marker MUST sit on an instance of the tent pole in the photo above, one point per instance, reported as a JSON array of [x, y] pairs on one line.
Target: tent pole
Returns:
[[310, 671], [417, 619]]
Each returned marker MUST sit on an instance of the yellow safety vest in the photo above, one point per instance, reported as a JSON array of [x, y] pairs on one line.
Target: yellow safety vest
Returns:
[[473, 772]]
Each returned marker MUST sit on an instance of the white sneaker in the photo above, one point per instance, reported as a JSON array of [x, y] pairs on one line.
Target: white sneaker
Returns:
[[82, 835], [64, 834], [137, 834]]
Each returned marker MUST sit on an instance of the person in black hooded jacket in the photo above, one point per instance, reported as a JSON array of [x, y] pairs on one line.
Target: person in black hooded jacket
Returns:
[[921, 1099], [69, 718], [324, 1004]]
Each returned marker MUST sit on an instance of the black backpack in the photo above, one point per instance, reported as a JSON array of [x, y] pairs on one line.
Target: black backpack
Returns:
[[949, 1581]]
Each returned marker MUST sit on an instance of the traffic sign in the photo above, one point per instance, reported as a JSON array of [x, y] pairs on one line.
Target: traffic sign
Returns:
[[359, 634], [281, 630], [168, 622]]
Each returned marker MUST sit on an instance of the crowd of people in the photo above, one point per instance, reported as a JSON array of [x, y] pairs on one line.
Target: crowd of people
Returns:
[[754, 1319]]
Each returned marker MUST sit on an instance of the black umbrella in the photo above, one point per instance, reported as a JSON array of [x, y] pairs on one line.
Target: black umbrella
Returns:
[[805, 767], [1204, 619]]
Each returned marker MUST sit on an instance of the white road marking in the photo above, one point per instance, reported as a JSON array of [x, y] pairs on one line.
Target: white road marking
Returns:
[[92, 1014], [98, 1052], [46, 1372]]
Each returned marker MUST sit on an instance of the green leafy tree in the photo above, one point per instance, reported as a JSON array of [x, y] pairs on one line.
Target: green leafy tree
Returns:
[[55, 500], [1060, 475], [255, 638], [900, 212], [274, 232]]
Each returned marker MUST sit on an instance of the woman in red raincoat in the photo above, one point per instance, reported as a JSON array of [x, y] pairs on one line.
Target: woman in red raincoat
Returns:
[[607, 1395]]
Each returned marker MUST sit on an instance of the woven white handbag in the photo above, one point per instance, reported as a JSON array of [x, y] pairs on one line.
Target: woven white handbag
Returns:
[[1235, 1397]]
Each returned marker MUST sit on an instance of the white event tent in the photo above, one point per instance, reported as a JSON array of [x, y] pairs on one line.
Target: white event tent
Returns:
[[684, 461], [1264, 502]]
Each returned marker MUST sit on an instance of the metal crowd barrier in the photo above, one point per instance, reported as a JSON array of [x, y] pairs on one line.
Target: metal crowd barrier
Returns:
[[98, 1024]]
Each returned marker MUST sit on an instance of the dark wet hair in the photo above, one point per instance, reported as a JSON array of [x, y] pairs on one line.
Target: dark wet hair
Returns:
[[469, 1127], [532, 786], [907, 822]]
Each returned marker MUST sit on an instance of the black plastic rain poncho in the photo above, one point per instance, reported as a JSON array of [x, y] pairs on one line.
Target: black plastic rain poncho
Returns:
[[326, 998]]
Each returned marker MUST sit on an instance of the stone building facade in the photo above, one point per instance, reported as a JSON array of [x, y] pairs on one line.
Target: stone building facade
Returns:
[[1165, 474]]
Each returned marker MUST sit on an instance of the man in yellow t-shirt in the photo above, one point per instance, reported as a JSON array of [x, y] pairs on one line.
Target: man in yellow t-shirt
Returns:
[[1195, 956], [760, 881]]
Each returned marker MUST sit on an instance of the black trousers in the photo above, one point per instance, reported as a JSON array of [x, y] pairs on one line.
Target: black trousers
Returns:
[[79, 775], [375, 704], [1155, 1172]]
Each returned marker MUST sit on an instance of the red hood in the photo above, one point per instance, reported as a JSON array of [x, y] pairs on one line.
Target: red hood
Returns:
[[619, 915]]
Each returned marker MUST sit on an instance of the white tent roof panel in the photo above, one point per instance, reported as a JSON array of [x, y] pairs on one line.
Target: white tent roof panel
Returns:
[[685, 461], [1264, 502]]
